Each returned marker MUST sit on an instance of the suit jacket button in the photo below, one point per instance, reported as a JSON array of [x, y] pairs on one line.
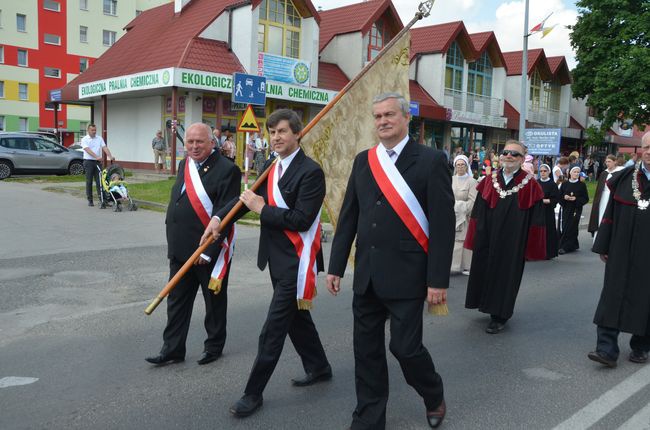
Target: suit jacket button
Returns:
[[372, 246], [374, 224], [378, 202]]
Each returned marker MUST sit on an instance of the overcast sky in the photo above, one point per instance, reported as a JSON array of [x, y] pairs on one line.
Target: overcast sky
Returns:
[[505, 18]]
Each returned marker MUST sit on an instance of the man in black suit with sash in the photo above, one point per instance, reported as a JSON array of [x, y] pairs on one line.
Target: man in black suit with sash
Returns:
[[400, 207], [187, 216], [289, 206]]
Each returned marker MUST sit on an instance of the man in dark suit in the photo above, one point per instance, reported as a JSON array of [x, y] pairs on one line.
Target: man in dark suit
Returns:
[[220, 180], [297, 183], [403, 256]]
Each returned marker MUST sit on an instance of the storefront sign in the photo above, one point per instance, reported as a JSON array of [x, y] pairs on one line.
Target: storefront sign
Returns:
[[543, 141], [477, 118], [283, 69], [414, 108], [120, 84]]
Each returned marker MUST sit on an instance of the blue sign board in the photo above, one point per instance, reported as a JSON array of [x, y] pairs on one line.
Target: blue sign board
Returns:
[[55, 95], [543, 141], [249, 89], [415, 108]]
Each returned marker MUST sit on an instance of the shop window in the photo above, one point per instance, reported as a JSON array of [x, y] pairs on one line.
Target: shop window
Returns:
[[52, 39], [83, 64], [108, 37], [23, 91], [110, 7], [535, 90], [479, 78], [83, 34], [454, 68], [279, 28], [377, 38], [22, 57], [52, 5], [21, 22], [51, 72]]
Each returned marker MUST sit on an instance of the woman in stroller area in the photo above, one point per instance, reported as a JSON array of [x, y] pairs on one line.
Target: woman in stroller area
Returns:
[[114, 189]]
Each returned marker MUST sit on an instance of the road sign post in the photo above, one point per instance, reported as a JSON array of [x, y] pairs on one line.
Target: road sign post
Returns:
[[249, 89], [247, 124]]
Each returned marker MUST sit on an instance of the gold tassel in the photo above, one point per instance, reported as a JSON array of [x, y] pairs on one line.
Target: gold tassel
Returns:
[[439, 309], [304, 304], [215, 285]]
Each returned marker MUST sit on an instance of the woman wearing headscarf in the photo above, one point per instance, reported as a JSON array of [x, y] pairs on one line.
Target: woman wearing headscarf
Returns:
[[573, 196], [551, 198], [602, 194], [464, 187]]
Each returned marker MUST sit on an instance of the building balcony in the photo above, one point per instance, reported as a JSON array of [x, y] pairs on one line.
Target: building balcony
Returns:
[[474, 103], [551, 117]]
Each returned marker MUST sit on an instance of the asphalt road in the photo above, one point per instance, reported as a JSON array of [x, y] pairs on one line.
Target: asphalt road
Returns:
[[73, 336]]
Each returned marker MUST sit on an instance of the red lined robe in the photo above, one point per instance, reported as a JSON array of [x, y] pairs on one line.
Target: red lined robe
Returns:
[[202, 205], [306, 243], [503, 234]]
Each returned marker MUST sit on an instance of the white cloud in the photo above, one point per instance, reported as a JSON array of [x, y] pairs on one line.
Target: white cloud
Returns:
[[505, 18]]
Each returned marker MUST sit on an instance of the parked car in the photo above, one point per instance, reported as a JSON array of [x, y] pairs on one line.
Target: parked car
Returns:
[[31, 153]]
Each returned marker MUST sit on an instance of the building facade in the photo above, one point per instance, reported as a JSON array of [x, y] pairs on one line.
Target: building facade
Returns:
[[47, 43]]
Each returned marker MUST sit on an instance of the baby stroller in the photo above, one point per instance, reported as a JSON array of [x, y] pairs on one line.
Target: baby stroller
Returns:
[[114, 190]]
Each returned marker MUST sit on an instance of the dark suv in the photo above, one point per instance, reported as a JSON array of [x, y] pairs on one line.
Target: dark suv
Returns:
[[31, 153]]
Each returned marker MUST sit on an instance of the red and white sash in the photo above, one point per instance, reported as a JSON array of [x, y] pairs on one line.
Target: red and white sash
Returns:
[[202, 205], [399, 195], [307, 244]]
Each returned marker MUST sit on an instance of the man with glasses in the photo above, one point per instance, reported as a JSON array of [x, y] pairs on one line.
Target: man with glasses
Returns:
[[507, 227]]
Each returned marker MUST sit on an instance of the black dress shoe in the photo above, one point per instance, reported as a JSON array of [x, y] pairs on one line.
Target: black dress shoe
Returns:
[[495, 327], [313, 377], [90, 203], [208, 357], [561, 251], [637, 356], [247, 405], [163, 360], [435, 417], [601, 358]]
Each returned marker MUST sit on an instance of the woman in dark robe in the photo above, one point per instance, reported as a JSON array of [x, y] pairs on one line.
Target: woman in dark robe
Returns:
[[551, 198], [573, 196]]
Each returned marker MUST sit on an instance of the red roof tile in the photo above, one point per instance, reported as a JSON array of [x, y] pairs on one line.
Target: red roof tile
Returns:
[[560, 69], [331, 77], [353, 18], [487, 40], [435, 39], [536, 59], [211, 56], [429, 108]]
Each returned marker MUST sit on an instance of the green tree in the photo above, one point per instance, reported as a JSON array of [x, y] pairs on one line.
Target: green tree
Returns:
[[612, 43]]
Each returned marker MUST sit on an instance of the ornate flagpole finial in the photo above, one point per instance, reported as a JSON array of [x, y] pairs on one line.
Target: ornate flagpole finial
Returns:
[[424, 9]]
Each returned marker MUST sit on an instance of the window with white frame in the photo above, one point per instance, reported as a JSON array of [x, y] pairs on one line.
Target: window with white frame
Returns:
[[21, 22], [23, 91], [51, 72], [23, 124], [52, 39], [110, 7], [0, 18], [22, 57], [108, 37], [83, 34], [2, 54], [2, 123], [454, 68], [83, 64], [2, 89], [52, 5], [83, 4]]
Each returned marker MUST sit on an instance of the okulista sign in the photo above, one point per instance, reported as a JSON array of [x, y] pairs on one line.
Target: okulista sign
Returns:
[[119, 84], [195, 79]]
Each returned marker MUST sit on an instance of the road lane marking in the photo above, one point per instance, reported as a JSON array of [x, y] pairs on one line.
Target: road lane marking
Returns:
[[594, 411], [12, 381], [639, 421]]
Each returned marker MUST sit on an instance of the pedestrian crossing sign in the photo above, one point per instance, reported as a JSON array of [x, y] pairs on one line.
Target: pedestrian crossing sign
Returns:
[[248, 121]]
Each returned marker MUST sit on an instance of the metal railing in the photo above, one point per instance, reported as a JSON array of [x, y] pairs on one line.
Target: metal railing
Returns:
[[475, 103], [552, 117]]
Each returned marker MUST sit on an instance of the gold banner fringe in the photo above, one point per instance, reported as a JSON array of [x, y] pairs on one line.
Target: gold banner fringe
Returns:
[[304, 305], [440, 309], [215, 285]]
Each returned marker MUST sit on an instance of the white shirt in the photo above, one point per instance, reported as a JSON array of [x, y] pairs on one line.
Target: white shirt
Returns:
[[507, 178], [397, 148], [95, 144], [645, 170], [285, 162]]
